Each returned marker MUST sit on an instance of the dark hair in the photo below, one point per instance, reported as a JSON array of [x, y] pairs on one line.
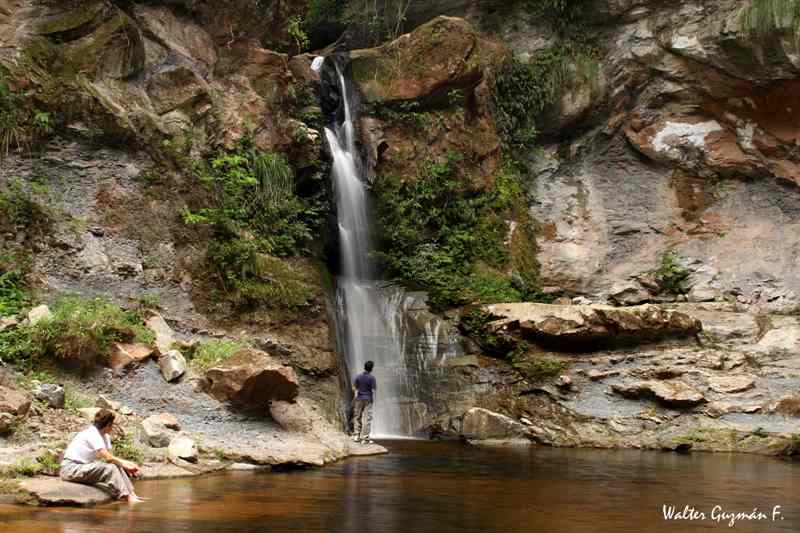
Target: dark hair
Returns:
[[103, 418], [368, 366]]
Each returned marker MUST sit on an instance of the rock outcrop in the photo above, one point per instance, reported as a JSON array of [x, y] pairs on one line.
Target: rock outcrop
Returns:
[[591, 327], [482, 424]]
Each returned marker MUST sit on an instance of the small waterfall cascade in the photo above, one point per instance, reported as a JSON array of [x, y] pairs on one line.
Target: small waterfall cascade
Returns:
[[372, 316]]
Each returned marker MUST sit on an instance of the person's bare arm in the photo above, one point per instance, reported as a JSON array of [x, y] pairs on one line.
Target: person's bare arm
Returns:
[[129, 466]]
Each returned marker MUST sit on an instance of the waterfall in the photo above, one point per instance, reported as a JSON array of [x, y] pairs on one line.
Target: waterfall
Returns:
[[372, 316]]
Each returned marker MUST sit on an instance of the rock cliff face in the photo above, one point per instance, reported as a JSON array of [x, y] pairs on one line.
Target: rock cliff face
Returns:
[[668, 175]]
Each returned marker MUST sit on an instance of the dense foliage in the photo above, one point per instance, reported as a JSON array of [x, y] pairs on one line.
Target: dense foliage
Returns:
[[762, 17], [448, 240], [256, 217]]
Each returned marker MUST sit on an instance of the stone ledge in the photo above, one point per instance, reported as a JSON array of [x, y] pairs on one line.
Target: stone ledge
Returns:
[[53, 492]]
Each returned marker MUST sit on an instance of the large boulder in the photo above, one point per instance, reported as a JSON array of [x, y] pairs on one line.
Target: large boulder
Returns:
[[251, 379], [52, 492], [591, 326], [446, 53], [165, 337], [482, 424], [160, 429]]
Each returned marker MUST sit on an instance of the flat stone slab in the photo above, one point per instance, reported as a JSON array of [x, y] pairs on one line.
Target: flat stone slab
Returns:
[[55, 492], [163, 471], [359, 450]]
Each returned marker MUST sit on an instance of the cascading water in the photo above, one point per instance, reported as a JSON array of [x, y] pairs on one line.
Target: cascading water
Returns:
[[372, 316], [359, 302]]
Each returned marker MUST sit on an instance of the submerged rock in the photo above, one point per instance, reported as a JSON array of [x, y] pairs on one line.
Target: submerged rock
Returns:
[[251, 379]]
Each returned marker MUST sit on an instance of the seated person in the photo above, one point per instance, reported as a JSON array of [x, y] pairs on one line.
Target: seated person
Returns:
[[80, 460]]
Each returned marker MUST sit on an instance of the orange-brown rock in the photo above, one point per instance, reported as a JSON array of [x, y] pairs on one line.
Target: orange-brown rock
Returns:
[[446, 53], [125, 355], [250, 379]]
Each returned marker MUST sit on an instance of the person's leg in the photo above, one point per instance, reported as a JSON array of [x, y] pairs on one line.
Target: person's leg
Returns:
[[368, 420], [358, 410], [110, 478]]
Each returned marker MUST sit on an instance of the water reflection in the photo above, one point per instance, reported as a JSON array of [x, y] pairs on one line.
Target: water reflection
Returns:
[[444, 487]]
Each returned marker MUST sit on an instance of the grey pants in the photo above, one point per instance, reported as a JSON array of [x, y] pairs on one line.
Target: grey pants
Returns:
[[363, 408], [110, 478]]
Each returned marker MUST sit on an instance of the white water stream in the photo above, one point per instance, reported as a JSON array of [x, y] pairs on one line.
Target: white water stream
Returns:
[[377, 322]]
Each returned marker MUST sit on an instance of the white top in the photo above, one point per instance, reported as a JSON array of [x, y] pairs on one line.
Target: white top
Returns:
[[86, 444]]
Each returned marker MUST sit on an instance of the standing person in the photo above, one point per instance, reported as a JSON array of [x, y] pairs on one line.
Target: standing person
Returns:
[[80, 460], [363, 396]]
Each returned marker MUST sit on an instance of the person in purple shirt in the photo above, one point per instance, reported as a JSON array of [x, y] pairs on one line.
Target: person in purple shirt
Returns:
[[363, 396]]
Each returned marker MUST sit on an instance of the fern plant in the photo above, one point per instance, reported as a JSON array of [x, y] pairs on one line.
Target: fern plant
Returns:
[[762, 17]]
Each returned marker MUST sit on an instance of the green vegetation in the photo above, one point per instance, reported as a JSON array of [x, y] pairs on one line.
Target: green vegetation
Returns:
[[74, 400], [125, 447], [670, 274], [257, 217], [214, 352], [23, 206], [14, 292], [20, 123], [48, 463], [475, 325], [522, 91], [79, 331], [450, 241], [540, 368], [763, 17]]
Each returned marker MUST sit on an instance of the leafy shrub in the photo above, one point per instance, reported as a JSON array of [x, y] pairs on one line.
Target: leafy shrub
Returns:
[[14, 293], [434, 232], [523, 90], [79, 330], [125, 447], [670, 274], [539, 368]]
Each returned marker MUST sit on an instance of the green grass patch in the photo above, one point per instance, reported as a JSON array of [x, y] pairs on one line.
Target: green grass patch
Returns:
[[125, 447], [79, 331], [214, 352]]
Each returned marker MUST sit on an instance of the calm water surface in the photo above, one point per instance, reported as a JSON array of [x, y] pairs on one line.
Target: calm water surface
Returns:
[[446, 487]]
